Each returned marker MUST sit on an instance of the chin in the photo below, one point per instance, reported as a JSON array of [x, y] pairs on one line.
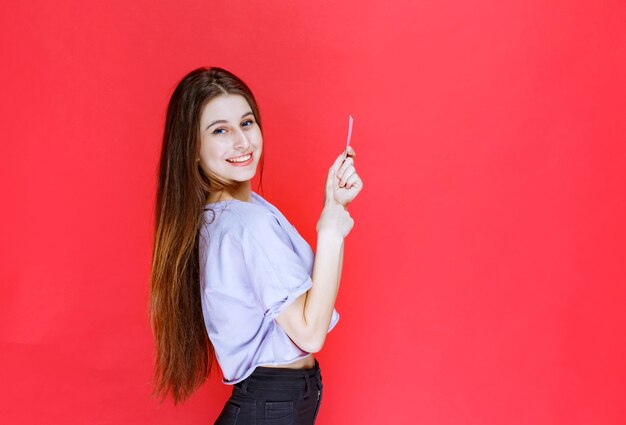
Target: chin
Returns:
[[242, 179]]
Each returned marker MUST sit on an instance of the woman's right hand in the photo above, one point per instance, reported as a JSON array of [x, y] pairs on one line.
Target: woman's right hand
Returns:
[[334, 218], [349, 183]]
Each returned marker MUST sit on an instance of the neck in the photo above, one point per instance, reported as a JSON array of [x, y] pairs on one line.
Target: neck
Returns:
[[242, 193]]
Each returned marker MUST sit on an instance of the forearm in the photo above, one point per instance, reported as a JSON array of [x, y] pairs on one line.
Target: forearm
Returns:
[[340, 263], [326, 275]]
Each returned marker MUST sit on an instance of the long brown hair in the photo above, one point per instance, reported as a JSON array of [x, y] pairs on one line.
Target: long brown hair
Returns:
[[184, 353]]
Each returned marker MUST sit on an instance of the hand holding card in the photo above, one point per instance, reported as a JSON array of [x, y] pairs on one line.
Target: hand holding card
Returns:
[[346, 183]]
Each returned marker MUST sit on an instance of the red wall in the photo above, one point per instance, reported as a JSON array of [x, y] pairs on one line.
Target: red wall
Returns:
[[484, 279]]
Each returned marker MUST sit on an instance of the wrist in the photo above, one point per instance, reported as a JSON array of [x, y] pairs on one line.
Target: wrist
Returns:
[[329, 235]]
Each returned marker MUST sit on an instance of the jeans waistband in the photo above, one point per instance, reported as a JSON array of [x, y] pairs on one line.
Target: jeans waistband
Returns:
[[295, 378], [285, 372]]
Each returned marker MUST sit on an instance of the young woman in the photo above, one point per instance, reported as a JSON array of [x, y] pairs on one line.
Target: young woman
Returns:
[[231, 277]]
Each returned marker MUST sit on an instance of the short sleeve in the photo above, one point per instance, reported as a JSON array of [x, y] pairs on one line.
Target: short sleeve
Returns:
[[278, 274]]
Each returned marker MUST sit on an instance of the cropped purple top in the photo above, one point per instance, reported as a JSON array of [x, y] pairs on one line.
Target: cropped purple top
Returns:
[[253, 264]]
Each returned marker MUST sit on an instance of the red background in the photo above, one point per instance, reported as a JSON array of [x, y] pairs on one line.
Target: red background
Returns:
[[484, 278]]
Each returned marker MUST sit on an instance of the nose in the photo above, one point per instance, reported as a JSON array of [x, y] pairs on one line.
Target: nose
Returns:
[[241, 141]]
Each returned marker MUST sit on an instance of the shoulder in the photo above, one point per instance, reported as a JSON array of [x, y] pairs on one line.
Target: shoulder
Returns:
[[239, 218]]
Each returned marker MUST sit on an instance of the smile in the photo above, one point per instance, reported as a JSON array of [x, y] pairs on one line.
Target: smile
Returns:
[[241, 160]]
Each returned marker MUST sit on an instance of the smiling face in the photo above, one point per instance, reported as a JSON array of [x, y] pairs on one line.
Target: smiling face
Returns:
[[230, 139]]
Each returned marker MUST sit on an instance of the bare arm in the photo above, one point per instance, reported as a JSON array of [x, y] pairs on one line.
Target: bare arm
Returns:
[[340, 263], [307, 319]]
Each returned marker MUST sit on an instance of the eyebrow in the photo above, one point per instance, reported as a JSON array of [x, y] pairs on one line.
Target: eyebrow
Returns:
[[224, 121]]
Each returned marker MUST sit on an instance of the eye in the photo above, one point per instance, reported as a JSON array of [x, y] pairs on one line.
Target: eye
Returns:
[[218, 130], [250, 122]]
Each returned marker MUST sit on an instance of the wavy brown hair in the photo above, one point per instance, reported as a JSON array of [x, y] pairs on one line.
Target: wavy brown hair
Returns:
[[184, 353]]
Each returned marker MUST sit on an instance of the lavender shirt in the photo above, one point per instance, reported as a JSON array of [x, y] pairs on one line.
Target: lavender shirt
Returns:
[[253, 264]]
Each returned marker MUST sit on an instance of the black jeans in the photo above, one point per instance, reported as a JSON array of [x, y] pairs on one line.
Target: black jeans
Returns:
[[275, 396]]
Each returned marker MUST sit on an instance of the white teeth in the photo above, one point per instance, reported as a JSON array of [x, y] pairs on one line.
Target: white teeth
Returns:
[[242, 159]]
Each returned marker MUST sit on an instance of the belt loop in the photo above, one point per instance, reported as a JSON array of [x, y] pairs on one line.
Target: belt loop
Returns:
[[307, 391], [244, 386]]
